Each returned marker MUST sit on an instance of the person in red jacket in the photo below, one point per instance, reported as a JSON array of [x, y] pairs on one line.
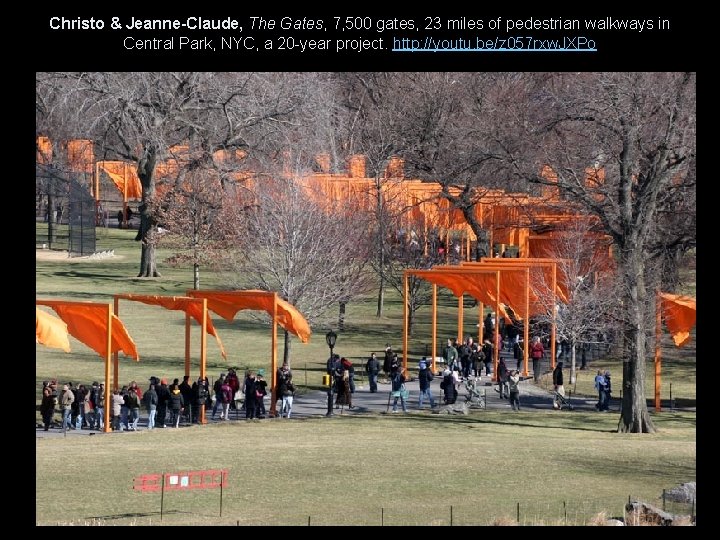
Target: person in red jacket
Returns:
[[536, 353]]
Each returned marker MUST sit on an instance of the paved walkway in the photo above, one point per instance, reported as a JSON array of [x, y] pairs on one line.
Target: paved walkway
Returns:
[[314, 403]]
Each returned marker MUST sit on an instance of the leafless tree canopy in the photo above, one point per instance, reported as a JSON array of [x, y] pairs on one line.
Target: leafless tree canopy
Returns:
[[622, 146]]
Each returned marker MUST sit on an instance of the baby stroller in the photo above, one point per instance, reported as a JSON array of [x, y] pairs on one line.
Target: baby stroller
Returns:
[[560, 401], [473, 398]]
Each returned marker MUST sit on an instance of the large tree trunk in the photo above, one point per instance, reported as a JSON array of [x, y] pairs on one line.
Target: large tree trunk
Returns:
[[148, 227], [286, 347], [196, 276], [573, 370], [634, 416], [341, 316]]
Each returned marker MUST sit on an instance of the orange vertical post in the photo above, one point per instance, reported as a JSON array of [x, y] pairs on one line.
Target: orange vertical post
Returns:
[[526, 334], [434, 325], [405, 320], [203, 353], [553, 335], [108, 398], [187, 343], [496, 350], [658, 357], [467, 245], [273, 357], [461, 317], [116, 359], [481, 309]]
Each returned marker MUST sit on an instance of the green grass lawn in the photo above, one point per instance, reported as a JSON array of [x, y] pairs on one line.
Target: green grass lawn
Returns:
[[408, 470], [362, 470]]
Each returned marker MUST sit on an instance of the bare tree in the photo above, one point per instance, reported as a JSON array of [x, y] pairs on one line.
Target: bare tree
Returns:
[[375, 104], [196, 213], [616, 141], [289, 241], [463, 131], [141, 116], [587, 275]]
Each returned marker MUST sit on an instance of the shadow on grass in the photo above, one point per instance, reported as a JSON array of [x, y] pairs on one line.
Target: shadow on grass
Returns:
[[137, 515]]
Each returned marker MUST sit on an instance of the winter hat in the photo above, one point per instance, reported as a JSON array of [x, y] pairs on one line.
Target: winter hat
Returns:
[[261, 372], [446, 372], [422, 365]]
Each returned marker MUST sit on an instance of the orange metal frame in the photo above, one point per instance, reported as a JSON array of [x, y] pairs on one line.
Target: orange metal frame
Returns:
[[273, 346], [108, 353], [203, 340]]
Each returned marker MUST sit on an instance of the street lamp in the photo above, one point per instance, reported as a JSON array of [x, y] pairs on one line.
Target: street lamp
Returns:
[[330, 339]]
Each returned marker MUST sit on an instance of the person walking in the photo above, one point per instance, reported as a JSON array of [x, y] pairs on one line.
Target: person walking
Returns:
[[450, 354], [176, 404], [558, 385], [372, 368], [600, 386], [398, 389], [425, 377], [217, 388], [502, 375], [513, 385], [66, 402], [608, 390], [151, 401], [536, 353], [47, 407], [133, 405]]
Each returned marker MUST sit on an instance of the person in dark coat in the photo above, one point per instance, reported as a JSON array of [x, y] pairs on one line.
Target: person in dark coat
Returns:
[[387, 361], [502, 374], [187, 394], [557, 376], [163, 393], [176, 404], [47, 407], [372, 368], [249, 389], [448, 387], [200, 393]]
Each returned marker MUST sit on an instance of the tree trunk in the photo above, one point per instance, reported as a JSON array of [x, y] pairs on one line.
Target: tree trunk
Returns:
[[341, 316], [148, 227], [634, 416], [51, 219], [381, 251], [286, 347], [196, 276], [573, 374], [148, 266]]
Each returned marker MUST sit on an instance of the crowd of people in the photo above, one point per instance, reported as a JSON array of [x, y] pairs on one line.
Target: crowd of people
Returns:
[[166, 405], [170, 405]]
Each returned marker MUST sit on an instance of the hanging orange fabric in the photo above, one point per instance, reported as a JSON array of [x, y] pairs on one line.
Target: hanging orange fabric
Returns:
[[124, 177], [679, 312], [177, 303], [89, 325], [51, 331], [227, 305]]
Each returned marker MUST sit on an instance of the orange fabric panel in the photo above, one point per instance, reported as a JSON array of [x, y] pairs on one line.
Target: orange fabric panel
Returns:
[[44, 150], [89, 325], [51, 331], [123, 174], [227, 305], [80, 155], [480, 286], [679, 312], [189, 306]]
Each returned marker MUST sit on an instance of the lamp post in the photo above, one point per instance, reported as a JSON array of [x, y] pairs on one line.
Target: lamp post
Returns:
[[330, 339]]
